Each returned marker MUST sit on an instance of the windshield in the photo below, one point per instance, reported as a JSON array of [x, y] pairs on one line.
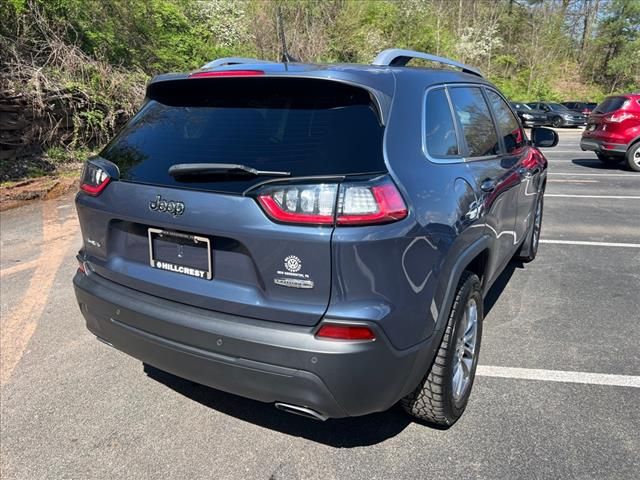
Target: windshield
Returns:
[[303, 126], [557, 107], [521, 106]]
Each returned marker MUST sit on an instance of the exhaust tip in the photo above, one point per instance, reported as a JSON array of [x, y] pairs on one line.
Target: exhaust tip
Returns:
[[302, 411]]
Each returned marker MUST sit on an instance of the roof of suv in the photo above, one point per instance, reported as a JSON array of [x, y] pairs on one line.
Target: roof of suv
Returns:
[[380, 78]]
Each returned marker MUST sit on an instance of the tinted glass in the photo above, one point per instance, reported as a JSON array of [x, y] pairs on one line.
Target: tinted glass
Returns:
[[477, 126], [557, 107], [302, 126], [610, 104], [508, 125], [440, 131]]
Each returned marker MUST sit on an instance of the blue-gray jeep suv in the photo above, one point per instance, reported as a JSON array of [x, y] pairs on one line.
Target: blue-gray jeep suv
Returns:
[[320, 237]]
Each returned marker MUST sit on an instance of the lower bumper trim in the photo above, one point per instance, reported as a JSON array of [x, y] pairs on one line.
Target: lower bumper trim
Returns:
[[594, 145]]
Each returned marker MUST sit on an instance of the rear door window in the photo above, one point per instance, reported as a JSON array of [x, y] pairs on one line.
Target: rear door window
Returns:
[[610, 104], [304, 126], [473, 114], [508, 125], [440, 131]]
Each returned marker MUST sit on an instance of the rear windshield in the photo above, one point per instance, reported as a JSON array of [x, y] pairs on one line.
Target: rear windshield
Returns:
[[303, 126], [610, 104]]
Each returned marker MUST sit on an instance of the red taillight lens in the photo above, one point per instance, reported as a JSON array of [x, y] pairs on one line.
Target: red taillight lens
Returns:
[[310, 204], [618, 117], [227, 73], [94, 179], [366, 205], [336, 331], [362, 203]]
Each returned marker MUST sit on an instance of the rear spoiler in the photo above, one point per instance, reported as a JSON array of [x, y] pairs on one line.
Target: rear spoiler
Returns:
[[381, 99]]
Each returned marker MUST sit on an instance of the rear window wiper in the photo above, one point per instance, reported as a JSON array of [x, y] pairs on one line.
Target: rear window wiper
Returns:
[[186, 169]]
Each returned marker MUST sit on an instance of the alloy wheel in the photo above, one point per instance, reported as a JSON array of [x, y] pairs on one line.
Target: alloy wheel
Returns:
[[466, 351]]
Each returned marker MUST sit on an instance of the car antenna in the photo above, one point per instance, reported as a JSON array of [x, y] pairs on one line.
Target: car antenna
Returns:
[[286, 58]]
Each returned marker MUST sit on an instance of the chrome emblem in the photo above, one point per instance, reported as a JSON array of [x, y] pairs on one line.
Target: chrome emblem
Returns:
[[169, 206]]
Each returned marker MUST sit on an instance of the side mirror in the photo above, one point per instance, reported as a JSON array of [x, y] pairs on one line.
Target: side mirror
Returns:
[[544, 137]]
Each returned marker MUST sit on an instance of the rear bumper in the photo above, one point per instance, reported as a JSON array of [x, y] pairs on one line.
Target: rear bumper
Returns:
[[265, 361], [534, 122], [596, 145], [570, 122]]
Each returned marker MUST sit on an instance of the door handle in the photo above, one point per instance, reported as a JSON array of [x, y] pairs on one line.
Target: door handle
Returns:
[[526, 173], [489, 185]]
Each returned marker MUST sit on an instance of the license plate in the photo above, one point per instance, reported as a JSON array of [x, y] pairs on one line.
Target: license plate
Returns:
[[180, 253]]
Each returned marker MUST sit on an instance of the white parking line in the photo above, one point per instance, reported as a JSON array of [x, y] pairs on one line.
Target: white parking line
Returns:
[[629, 175], [593, 244], [573, 180], [615, 197], [572, 160], [559, 376]]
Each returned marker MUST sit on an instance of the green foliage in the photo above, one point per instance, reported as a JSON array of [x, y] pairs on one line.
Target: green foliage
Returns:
[[92, 58]]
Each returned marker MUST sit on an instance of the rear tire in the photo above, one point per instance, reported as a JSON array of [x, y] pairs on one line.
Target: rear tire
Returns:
[[633, 157], [442, 396], [529, 248], [609, 159]]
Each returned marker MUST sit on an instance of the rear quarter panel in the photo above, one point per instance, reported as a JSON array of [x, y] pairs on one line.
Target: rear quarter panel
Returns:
[[399, 274]]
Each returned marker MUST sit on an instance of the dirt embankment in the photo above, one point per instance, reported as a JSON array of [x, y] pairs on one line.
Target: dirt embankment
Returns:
[[43, 188]]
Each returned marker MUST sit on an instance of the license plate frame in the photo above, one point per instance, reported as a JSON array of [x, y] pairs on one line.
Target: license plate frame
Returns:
[[184, 239]]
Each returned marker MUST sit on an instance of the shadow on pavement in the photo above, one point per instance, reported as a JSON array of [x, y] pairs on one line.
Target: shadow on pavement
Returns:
[[499, 285], [598, 165], [340, 433]]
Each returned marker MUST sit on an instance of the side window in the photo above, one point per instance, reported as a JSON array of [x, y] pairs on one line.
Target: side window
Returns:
[[474, 116], [440, 132], [508, 125]]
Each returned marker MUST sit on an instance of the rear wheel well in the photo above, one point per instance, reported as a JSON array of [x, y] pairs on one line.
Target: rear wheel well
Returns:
[[479, 264]]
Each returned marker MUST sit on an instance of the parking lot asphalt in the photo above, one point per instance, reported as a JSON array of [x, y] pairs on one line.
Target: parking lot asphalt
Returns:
[[556, 397]]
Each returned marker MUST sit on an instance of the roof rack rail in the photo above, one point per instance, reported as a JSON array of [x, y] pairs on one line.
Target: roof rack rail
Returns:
[[219, 62], [397, 57]]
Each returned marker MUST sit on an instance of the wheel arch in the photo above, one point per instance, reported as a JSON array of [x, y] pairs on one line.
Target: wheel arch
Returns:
[[475, 259]]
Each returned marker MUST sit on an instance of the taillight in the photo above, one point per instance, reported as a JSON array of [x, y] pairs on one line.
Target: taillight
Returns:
[[94, 179], [365, 205], [227, 73], [352, 203], [338, 331], [618, 117], [313, 204]]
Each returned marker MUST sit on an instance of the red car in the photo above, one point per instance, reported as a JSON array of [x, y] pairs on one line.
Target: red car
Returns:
[[613, 130]]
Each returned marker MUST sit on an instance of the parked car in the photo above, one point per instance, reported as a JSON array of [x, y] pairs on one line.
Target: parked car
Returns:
[[559, 115], [580, 107], [528, 116], [613, 131], [317, 237]]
